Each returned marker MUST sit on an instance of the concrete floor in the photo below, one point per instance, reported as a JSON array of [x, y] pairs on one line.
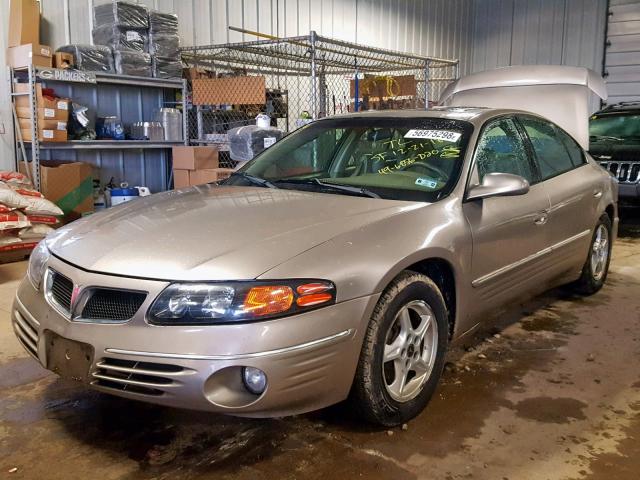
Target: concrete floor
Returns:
[[555, 395]]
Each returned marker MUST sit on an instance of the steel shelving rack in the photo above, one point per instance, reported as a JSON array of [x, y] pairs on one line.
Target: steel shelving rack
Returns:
[[162, 94]]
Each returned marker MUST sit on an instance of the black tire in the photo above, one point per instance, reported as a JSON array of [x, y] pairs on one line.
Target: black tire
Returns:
[[369, 395], [589, 283]]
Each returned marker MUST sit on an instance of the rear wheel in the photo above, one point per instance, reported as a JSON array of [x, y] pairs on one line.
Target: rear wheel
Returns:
[[596, 268], [403, 352]]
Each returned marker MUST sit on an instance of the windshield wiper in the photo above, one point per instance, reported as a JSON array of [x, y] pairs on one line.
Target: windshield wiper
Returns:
[[363, 192], [261, 182], [605, 137]]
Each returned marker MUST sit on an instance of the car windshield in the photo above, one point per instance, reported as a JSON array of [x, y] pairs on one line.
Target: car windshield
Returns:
[[417, 159], [618, 127]]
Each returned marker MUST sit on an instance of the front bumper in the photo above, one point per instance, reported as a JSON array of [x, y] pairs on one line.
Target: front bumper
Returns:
[[309, 359], [629, 191]]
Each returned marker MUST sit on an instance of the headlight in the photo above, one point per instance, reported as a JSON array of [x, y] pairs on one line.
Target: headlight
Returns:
[[214, 303], [37, 264]]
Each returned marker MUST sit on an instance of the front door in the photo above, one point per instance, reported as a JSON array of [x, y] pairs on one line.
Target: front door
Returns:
[[509, 233]]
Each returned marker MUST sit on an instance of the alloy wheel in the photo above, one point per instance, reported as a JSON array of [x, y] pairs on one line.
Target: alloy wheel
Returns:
[[600, 253], [410, 351]]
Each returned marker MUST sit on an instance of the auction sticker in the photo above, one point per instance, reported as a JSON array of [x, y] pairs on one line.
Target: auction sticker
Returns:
[[444, 135], [426, 182]]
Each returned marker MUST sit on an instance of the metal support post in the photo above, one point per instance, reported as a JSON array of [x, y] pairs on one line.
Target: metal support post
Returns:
[[426, 84], [314, 79], [185, 114], [35, 140], [200, 122]]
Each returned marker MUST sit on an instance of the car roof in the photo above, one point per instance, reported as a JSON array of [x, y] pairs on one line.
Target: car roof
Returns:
[[622, 107], [474, 115]]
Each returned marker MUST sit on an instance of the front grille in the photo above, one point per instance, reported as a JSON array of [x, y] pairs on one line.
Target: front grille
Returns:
[[112, 305], [61, 290], [625, 172], [145, 378]]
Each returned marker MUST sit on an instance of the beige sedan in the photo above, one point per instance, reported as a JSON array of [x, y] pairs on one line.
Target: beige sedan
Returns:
[[340, 263]]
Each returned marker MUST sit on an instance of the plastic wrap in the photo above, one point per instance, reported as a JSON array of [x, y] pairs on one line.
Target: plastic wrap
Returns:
[[166, 23], [246, 142], [132, 63], [93, 58], [166, 67], [121, 38], [164, 45], [122, 14]]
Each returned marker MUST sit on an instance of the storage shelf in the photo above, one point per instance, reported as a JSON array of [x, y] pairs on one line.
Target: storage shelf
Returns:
[[112, 78], [106, 145]]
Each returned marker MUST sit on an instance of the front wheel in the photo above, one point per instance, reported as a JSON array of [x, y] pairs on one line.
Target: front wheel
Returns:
[[403, 352], [596, 268]]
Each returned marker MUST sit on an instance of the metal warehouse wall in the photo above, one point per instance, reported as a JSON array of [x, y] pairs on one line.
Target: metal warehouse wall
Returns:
[[483, 34], [435, 27], [623, 51], [520, 32]]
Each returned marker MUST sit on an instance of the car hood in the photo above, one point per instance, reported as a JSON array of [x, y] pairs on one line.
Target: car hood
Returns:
[[213, 232]]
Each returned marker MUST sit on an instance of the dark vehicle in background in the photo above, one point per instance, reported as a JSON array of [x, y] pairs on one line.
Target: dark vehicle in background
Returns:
[[614, 142]]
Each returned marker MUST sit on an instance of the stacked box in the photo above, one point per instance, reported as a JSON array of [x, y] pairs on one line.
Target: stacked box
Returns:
[[132, 63], [93, 58], [121, 38], [197, 165], [122, 14], [53, 114], [29, 54], [166, 67], [24, 22]]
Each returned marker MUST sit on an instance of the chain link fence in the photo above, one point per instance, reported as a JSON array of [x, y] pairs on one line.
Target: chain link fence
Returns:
[[297, 79]]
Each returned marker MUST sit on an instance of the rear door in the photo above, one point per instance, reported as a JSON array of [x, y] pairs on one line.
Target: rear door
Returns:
[[573, 186], [509, 233]]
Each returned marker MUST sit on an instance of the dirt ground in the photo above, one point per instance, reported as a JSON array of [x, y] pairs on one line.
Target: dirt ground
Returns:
[[553, 393]]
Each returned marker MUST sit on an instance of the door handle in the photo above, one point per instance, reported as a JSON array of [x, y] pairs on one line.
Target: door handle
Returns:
[[597, 193], [541, 219]]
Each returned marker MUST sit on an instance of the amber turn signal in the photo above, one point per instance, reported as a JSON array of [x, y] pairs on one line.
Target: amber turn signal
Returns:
[[314, 299], [268, 300], [311, 288]]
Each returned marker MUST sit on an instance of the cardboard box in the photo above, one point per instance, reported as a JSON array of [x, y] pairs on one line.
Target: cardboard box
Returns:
[[195, 158], [184, 178], [30, 54], [63, 60], [24, 22], [44, 114], [250, 90], [25, 124], [194, 73], [45, 135], [42, 101], [69, 185], [180, 178], [198, 177]]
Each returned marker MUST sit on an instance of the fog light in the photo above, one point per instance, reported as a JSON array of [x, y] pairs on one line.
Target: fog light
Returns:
[[254, 380]]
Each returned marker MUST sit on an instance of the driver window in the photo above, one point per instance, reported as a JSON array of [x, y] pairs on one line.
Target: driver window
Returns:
[[500, 150]]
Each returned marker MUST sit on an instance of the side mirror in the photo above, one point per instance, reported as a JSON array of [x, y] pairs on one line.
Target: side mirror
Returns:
[[499, 185]]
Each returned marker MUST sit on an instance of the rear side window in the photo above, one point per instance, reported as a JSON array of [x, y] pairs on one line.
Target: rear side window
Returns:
[[556, 152], [574, 150]]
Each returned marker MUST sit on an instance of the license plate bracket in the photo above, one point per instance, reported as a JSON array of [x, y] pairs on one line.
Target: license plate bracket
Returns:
[[69, 359]]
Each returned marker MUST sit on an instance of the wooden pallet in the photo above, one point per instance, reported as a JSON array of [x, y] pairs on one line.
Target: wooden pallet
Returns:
[[15, 256]]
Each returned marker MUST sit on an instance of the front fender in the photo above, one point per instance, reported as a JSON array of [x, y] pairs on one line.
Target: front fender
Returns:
[[364, 261]]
